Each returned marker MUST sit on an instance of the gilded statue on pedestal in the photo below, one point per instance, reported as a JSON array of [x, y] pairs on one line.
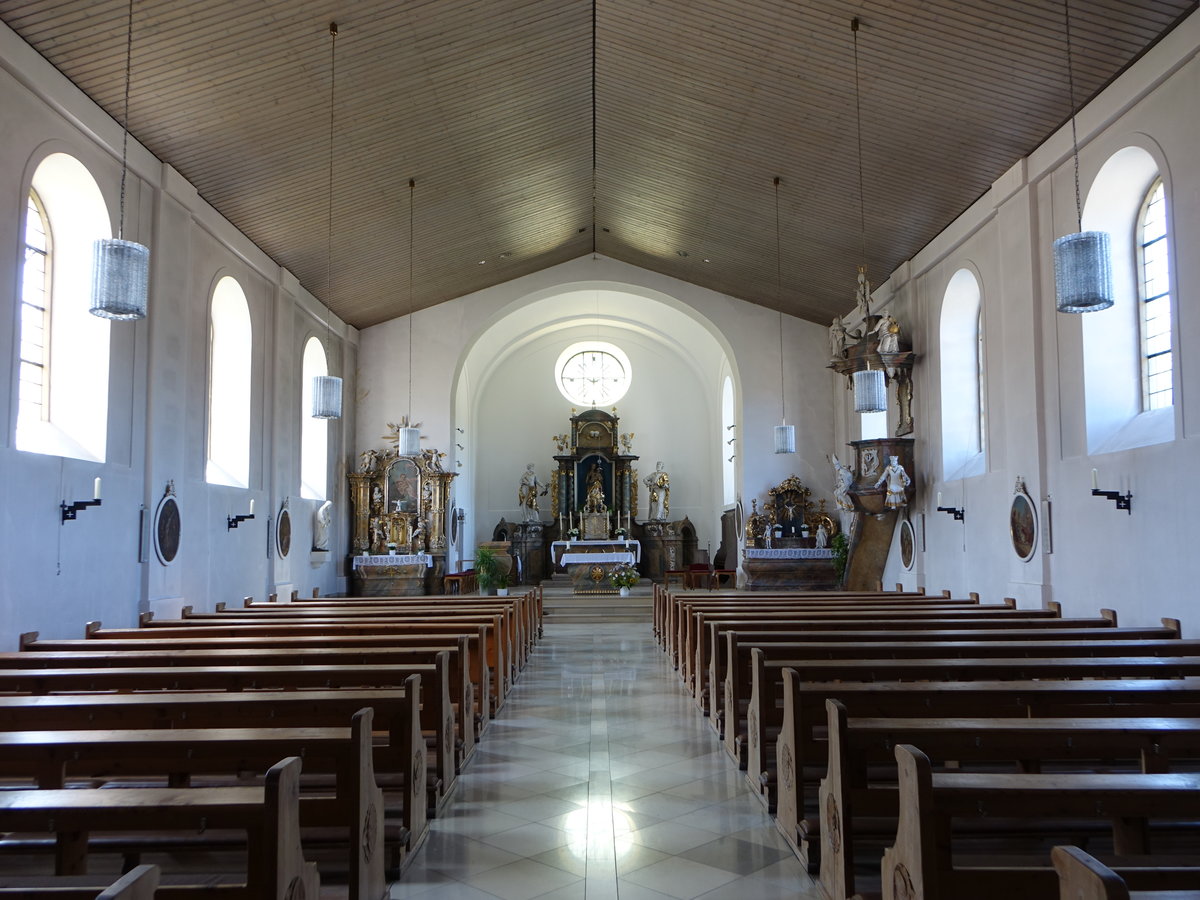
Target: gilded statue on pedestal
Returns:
[[595, 502]]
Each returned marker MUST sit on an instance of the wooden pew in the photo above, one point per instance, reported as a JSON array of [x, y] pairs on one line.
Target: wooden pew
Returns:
[[493, 652], [681, 608], [215, 653], [399, 753], [735, 691], [139, 883], [531, 598], [436, 712], [1083, 877], [724, 679], [470, 646], [269, 815], [765, 716], [666, 601], [518, 612], [354, 811], [697, 621], [921, 865], [859, 786], [708, 628], [509, 634], [801, 750]]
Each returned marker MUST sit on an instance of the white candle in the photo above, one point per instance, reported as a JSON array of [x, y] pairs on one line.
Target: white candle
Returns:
[[96, 490], [939, 503], [1095, 481], [251, 507]]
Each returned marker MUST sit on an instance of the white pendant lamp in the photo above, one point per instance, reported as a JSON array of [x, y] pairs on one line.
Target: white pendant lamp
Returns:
[[121, 268], [1082, 261], [327, 389]]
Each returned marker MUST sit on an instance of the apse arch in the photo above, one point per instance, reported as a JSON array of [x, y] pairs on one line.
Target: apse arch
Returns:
[[506, 405]]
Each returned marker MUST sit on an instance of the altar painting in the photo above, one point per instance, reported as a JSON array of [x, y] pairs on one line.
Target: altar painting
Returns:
[[403, 486]]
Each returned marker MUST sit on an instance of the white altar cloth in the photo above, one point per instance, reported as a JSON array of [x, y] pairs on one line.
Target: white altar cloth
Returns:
[[400, 559], [622, 557], [581, 547], [790, 553]]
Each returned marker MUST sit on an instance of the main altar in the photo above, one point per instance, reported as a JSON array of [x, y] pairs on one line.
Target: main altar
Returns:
[[593, 504], [400, 505]]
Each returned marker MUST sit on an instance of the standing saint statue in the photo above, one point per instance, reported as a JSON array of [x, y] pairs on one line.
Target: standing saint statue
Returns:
[[659, 484], [843, 480], [897, 480], [322, 518], [837, 339], [527, 494]]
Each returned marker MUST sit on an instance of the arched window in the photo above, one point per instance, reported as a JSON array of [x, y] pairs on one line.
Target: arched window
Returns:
[[1127, 358], [1155, 295], [34, 385], [62, 400], [314, 433], [728, 443], [229, 375], [961, 347]]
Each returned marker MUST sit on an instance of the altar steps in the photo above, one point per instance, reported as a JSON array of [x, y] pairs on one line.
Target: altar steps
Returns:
[[560, 605]]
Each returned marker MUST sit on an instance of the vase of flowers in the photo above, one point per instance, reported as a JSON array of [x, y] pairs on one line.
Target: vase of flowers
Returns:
[[623, 577], [573, 534]]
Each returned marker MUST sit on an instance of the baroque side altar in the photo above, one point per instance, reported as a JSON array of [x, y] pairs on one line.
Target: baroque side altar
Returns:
[[400, 504]]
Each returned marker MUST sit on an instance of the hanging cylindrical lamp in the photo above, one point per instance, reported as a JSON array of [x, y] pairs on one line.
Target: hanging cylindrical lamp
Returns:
[[785, 434], [409, 441], [1082, 261], [326, 397], [785, 438], [1083, 272], [121, 268], [327, 389], [408, 438], [870, 391], [120, 278]]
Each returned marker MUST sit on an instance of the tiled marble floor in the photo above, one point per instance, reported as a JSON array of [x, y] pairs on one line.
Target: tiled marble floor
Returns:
[[600, 780]]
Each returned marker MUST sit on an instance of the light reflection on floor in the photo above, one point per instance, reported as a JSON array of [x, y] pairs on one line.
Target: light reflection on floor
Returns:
[[601, 780]]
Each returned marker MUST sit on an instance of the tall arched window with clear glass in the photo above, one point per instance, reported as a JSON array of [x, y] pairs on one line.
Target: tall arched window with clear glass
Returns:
[[961, 348], [231, 340], [314, 433], [1155, 296], [63, 350]]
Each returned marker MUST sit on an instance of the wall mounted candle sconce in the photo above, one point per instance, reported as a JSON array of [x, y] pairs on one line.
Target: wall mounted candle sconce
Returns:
[[233, 522], [71, 510], [958, 512], [1123, 501]]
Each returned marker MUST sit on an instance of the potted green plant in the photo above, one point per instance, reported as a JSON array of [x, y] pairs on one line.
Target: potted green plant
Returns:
[[487, 569], [840, 545], [502, 584], [623, 577]]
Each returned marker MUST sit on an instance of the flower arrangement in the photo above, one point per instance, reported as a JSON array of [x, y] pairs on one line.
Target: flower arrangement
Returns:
[[622, 533], [573, 534], [624, 576]]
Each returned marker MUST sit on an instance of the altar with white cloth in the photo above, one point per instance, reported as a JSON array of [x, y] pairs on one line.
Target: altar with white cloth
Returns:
[[589, 563]]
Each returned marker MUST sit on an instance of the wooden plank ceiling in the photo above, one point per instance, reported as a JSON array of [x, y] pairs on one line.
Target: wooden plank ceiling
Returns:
[[695, 107]]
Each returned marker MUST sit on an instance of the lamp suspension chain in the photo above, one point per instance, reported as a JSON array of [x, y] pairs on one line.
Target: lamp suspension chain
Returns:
[[862, 203]]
